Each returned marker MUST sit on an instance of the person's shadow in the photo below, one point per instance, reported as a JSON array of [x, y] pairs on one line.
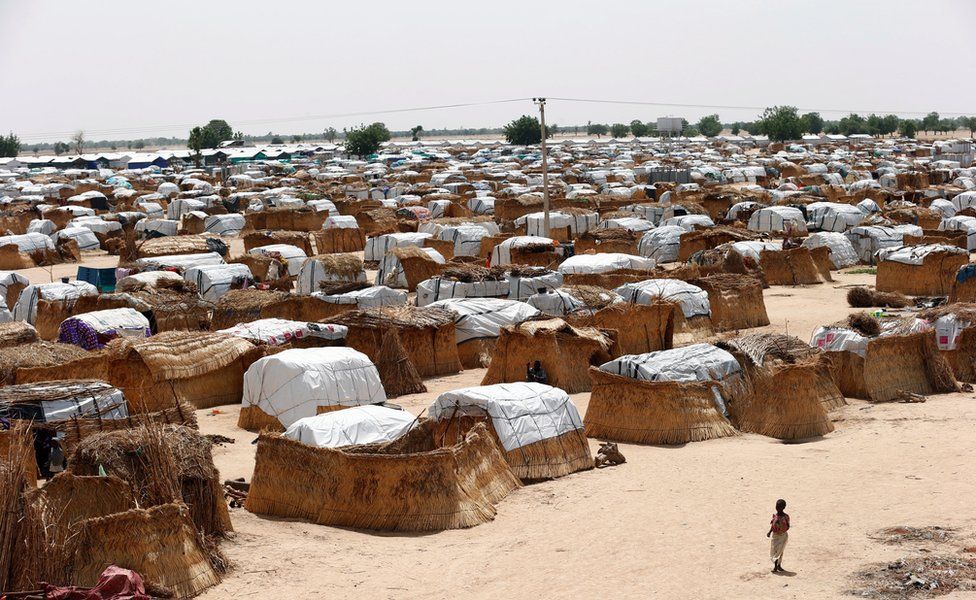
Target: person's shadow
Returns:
[[785, 573]]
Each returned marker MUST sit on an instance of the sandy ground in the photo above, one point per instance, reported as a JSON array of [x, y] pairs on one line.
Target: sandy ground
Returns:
[[673, 522]]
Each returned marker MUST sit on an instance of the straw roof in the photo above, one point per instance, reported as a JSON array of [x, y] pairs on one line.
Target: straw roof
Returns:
[[591, 296], [963, 311], [345, 265], [183, 354], [472, 272], [401, 317], [763, 348], [16, 333], [37, 354]]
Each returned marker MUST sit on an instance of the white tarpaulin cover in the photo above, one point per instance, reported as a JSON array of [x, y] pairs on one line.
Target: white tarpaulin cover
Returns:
[[29, 242], [962, 223], [778, 218], [313, 272], [127, 322], [501, 254], [484, 317], [290, 385], [635, 224], [947, 331], [753, 249], [353, 426], [833, 216], [182, 261], [662, 243], [466, 238], [521, 413], [693, 299], [7, 279], [378, 295], [915, 255], [867, 240], [578, 223], [689, 222], [293, 255], [436, 288], [842, 252], [213, 281], [76, 399], [839, 339], [26, 308], [390, 271], [604, 262], [520, 288], [275, 332], [378, 246], [224, 225], [85, 238], [161, 226]]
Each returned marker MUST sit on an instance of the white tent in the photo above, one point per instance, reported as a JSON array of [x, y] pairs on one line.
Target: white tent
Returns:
[[213, 281], [661, 244], [391, 273], [293, 384], [501, 254], [690, 222], [275, 332], [313, 272], [635, 224], [164, 227], [26, 308], [293, 255], [8, 279], [752, 248], [357, 425], [378, 295], [123, 322], [484, 317], [779, 219], [604, 262], [437, 288], [578, 222], [378, 246], [224, 225], [520, 413], [842, 252], [85, 238], [833, 216], [868, 239], [692, 299], [182, 261], [962, 223], [29, 242]]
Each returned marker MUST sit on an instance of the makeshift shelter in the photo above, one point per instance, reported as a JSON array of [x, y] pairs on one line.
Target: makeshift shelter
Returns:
[[293, 255], [182, 244], [840, 250], [213, 281], [964, 285], [537, 426], [881, 368], [617, 240], [833, 216], [34, 354], [661, 244], [563, 301], [795, 266], [377, 247], [284, 387], [11, 284], [169, 302], [692, 242], [92, 330], [330, 303], [426, 334], [868, 239], [20, 251], [264, 238], [53, 401], [564, 351], [778, 219], [357, 425], [955, 337], [735, 301], [479, 322], [295, 334], [407, 266], [46, 305], [201, 368], [640, 328], [526, 250], [604, 263], [328, 267], [791, 387], [154, 458], [919, 270], [692, 323], [415, 483]]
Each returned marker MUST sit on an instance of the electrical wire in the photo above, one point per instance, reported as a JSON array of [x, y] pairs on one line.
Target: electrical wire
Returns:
[[733, 107]]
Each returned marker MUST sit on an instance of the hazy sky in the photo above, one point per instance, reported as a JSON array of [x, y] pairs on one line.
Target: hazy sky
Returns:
[[132, 69]]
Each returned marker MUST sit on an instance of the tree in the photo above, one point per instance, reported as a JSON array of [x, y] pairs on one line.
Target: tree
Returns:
[[813, 122], [9, 145], [690, 131], [195, 142], [78, 141], [330, 134], [638, 129], [366, 139], [415, 132], [710, 125], [619, 130], [736, 128], [908, 128], [853, 124], [969, 123], [139, 145], [946, 125], [930, 122], [296, 138], [781, 123], [219, 131], [276, 139], [597, 129], [889, 124], [60, 148], [524, 131], [551, 130]]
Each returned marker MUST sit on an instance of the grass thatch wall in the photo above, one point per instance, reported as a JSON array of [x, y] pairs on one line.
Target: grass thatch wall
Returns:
[[256, 239], [790, 267], [15, 359], [285, 219], [410, 484], [476, 354], [565, 353], [736, 301], [640, 328], [622, 409], [335, 240], [905, 363], [934, 277], [546, 459]]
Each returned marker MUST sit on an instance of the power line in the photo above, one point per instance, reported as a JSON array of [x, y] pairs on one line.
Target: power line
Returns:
[[733, 107]]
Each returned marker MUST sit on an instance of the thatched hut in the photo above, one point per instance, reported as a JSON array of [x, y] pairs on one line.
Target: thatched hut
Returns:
[[36, 355], [265, 237], [955, 337], [201, 368], [880, 368], [169, 302], [146, 456], [415, 483], [692, 242], [479, 322], [245, 306], [409, 265], [284, 387], [46, 305], [920, 270], [285, 219], [640, 328], [329, 268], [736, 301], [427, 334], [692, 323], [667, 397], [964, 285], [618, 240], [537, 426], [183, 244], [792, 267], [339, 239], [791, 387], [17, 333], [564, 351]]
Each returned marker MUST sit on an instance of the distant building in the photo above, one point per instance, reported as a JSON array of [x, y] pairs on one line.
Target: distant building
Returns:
[[670, 125]]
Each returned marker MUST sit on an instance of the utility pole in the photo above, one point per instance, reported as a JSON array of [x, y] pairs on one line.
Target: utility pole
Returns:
[[545, 165]]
